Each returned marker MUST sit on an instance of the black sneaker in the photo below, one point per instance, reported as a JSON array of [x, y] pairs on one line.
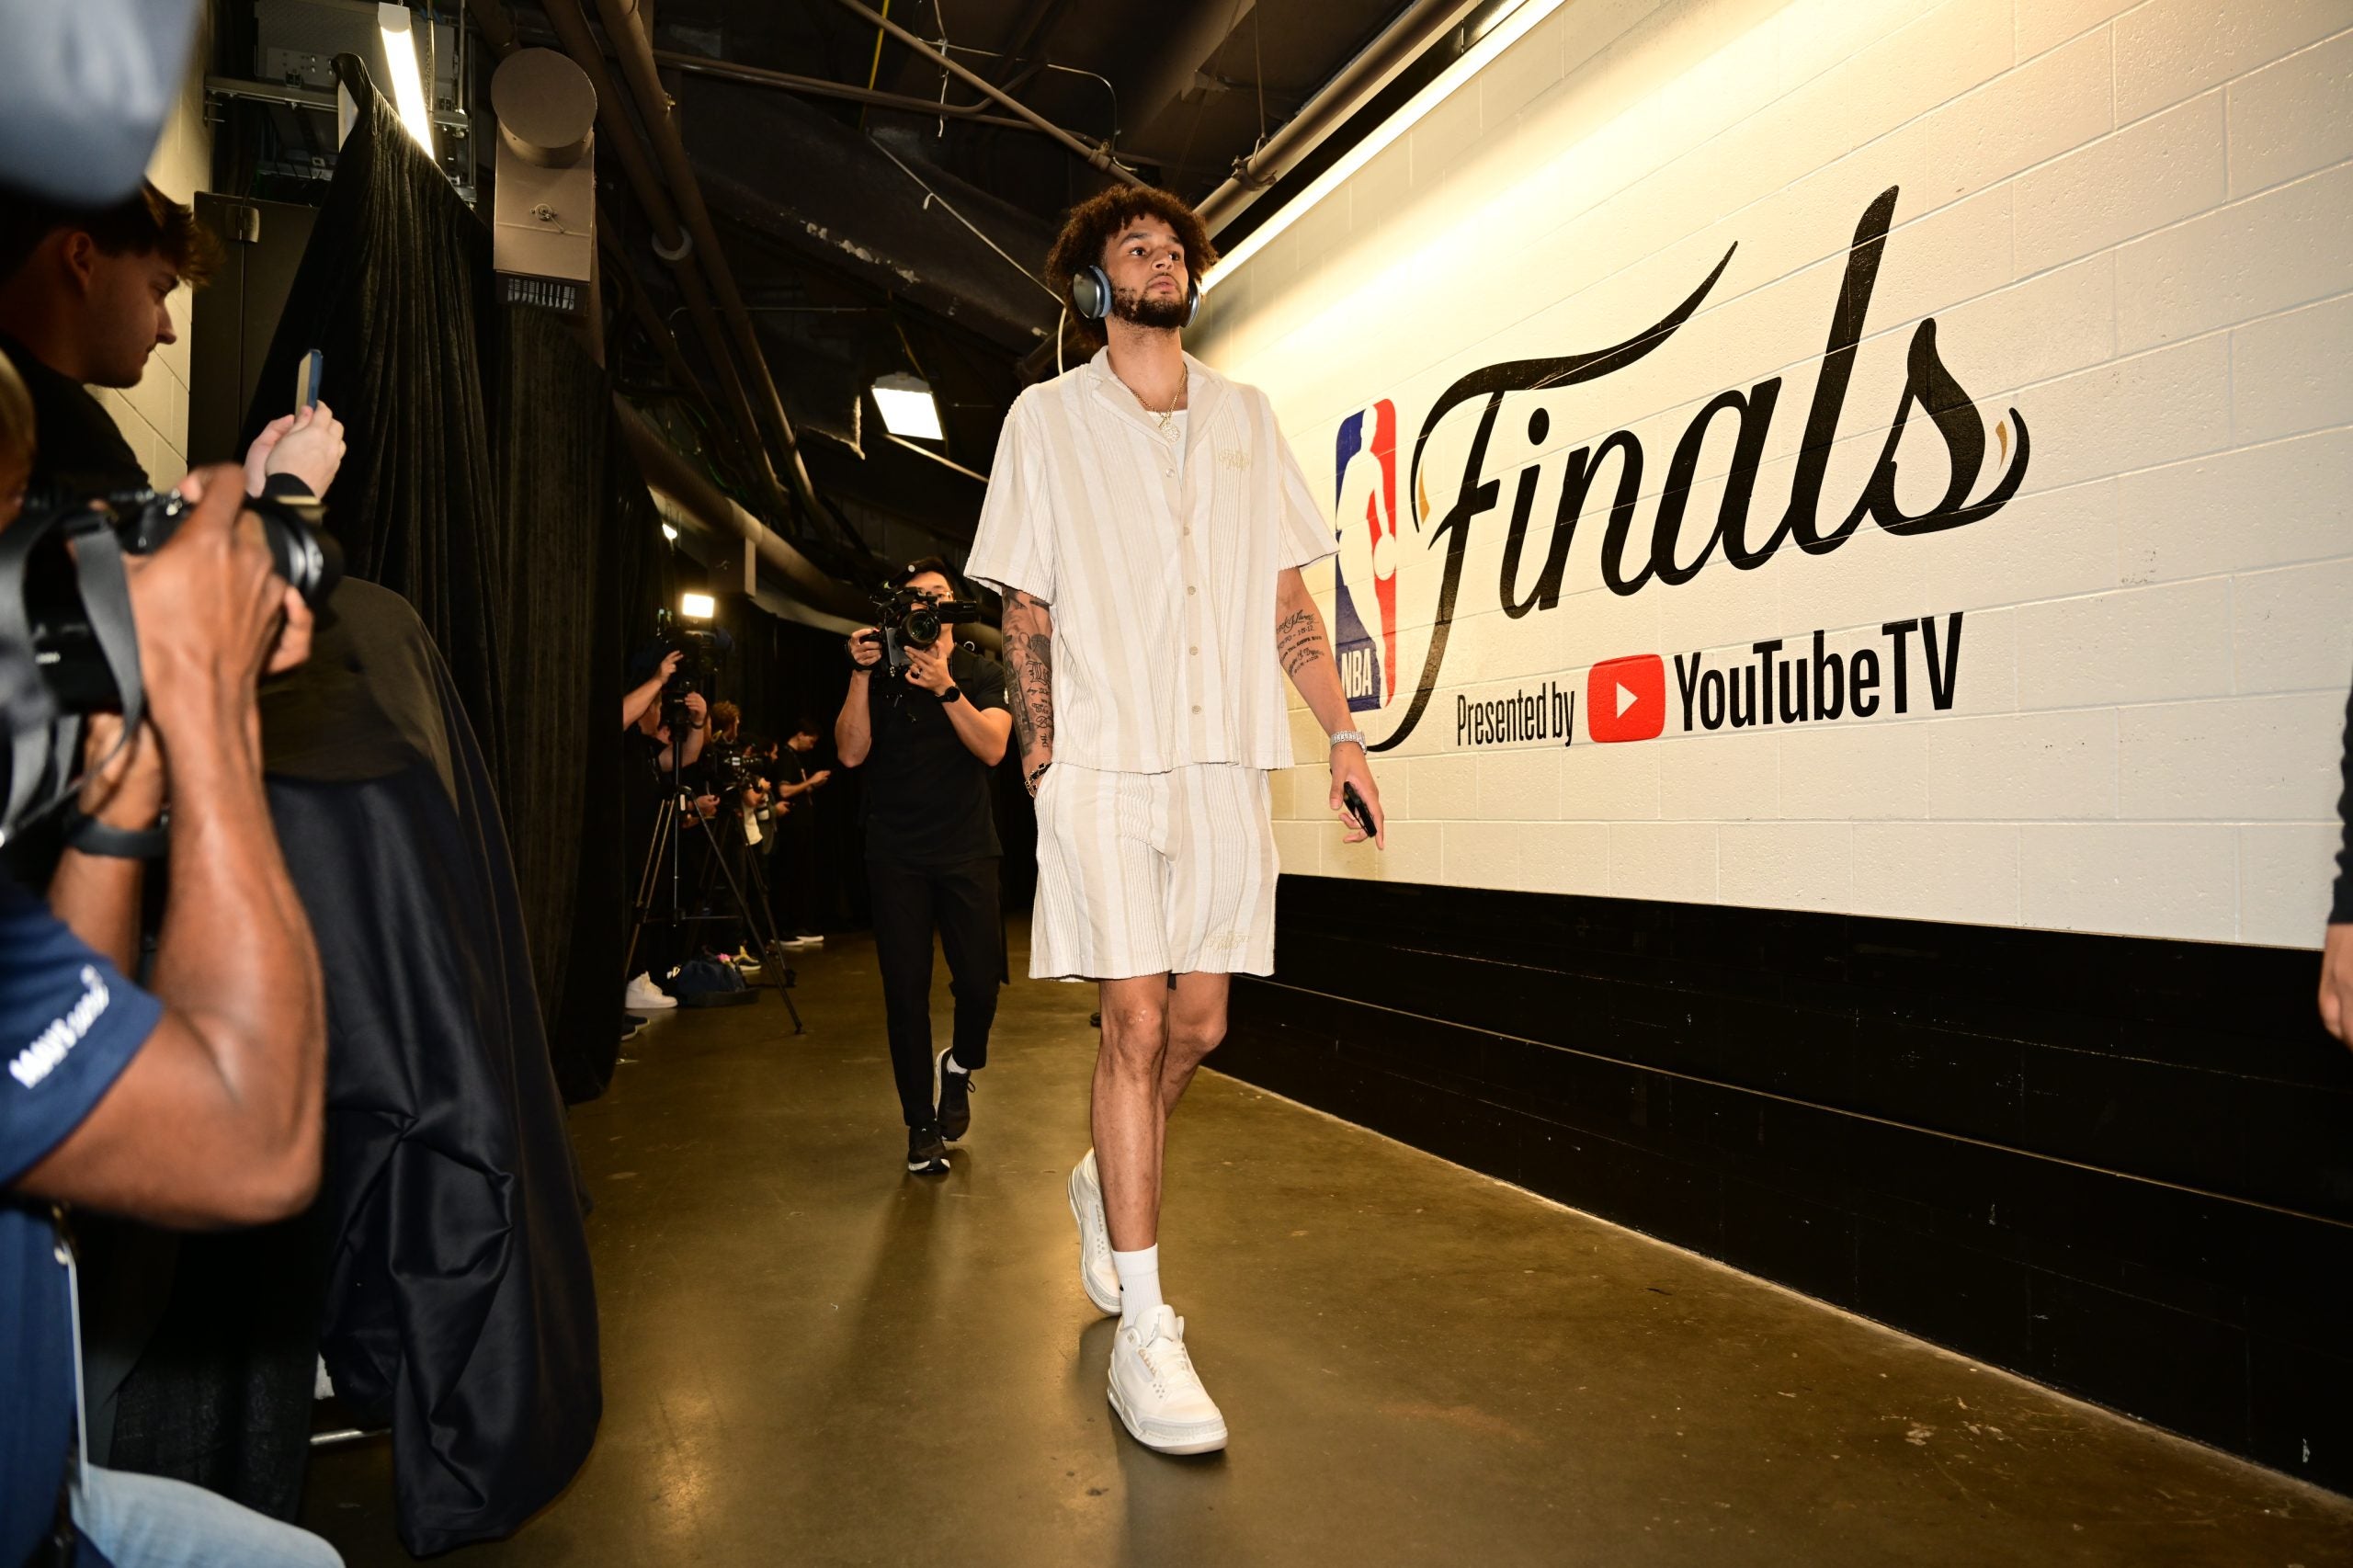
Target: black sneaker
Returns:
[[953, 1093], [927, 1155]]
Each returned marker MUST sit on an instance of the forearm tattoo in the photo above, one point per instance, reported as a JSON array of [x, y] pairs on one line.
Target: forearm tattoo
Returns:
[[1029, 651], [1299, 641]]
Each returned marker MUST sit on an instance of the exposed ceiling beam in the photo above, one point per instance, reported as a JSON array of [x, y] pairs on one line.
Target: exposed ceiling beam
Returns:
[[1099, 155], [621, 138], [626, 29], [818, 87], [1398, 45]]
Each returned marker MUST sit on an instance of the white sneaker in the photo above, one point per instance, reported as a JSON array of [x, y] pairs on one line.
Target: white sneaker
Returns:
[[644, 995], [1157, 1394], [1096, 1274], [802, 944]]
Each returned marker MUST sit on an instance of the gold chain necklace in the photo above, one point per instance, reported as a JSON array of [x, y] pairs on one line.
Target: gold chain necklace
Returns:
[[1169, 418]]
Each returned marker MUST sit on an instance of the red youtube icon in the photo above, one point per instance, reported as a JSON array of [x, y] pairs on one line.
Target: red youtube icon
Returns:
[[1625, 699]]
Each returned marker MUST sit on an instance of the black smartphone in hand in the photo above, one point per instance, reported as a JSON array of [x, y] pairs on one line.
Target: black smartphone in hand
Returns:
[[1357, 809]]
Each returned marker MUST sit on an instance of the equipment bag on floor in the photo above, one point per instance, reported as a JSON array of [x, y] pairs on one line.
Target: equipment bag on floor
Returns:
[[707, 981]]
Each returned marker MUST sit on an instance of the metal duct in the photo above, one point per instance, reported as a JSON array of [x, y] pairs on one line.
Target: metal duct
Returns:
[[1399, 46]]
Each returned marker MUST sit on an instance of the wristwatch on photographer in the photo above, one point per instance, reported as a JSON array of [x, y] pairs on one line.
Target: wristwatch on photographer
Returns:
[[951, 694], [91, 837]]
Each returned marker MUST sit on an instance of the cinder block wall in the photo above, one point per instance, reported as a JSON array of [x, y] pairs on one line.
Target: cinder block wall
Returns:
[[2131, 223], [153, 415]]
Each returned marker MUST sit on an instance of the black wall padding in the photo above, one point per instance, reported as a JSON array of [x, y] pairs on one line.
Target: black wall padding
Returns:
[[2118, 1165]]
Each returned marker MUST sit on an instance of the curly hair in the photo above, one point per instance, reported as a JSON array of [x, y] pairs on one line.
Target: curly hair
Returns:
[[1095, 223]]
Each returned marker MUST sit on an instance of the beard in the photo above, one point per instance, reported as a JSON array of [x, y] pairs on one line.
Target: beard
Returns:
[[1150, 312]]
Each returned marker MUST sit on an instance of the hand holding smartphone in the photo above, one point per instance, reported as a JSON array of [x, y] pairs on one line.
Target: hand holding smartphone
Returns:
[[1358, 810]]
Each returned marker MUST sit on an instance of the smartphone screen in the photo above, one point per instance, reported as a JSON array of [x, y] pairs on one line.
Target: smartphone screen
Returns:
[[307, 375]]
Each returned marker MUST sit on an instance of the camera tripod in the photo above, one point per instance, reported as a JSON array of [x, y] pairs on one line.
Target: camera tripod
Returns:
[[662, 856]]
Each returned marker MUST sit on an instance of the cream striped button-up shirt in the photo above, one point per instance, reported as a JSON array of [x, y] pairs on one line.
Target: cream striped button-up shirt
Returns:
[[1160, 565]]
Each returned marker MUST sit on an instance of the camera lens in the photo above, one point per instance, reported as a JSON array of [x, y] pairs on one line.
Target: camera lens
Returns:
[[308, 558]]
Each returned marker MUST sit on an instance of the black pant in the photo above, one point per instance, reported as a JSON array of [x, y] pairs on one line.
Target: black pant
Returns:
[[960, 902]]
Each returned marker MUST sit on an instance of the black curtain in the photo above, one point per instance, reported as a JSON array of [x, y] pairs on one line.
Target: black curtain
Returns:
[[484, 485], [560, 676], [396, 287]]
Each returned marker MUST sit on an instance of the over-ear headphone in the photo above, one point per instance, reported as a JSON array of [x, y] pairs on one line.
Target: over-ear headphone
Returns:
[[1090, 294]]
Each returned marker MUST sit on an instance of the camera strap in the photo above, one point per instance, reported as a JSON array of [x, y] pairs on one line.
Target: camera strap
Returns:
[[43, 753]]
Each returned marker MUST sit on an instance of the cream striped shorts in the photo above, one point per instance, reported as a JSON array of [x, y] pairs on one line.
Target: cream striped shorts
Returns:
[[1154, 873]]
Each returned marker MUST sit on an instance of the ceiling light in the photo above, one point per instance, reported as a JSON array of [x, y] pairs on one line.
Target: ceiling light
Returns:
[[906, 406], [1500, 35], [697, 607], [408, 88], [669, 533]]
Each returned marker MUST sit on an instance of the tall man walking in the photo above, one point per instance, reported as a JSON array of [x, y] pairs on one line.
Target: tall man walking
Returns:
[[1146, 523]]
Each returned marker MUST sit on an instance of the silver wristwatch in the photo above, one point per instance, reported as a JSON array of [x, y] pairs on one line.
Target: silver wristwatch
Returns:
[[1342, 736]]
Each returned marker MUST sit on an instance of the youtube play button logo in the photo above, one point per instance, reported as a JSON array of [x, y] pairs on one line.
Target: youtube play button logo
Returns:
[[1625, 699]]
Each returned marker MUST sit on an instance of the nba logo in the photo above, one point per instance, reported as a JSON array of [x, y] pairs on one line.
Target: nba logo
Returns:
[[1364, 518]]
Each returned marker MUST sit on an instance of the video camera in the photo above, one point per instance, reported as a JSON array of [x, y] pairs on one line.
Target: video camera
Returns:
[[734, 770], [64, 597], [701, 649], [911, 620]]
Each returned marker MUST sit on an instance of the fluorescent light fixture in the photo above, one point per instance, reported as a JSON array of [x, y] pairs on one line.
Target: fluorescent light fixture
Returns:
[[906, 406], [669, 533], [1500, 35], [408, 88], [697, 607]]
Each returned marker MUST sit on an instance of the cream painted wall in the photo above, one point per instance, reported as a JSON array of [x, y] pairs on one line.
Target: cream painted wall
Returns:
[[153, 415], [2131, 223]]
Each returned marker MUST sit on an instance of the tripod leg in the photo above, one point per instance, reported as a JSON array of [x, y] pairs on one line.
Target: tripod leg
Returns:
[[647, 880], [773, 970]]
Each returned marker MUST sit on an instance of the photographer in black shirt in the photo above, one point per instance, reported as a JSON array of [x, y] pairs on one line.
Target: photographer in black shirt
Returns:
[[926, 737]]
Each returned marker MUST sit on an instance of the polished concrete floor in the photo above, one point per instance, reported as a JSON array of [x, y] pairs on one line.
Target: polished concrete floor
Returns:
[[812, 1357]]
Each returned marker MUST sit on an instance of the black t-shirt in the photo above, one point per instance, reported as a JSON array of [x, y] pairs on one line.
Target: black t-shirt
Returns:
[[79, 445], [643, 783], [927, 795]]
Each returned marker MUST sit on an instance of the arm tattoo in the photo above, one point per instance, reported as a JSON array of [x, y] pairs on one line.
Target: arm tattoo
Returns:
[[1299, 642], [1030, 649]]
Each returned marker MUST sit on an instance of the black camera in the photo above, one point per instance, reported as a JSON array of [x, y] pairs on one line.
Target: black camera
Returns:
[[913, 620], [700, 648], [62, 607]]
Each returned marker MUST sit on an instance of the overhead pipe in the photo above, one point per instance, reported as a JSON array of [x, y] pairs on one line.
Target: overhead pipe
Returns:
[[1398, 46], [626, 29], [497, 29], [819, 87], [670, 242], [659, 332], [1097, 155], [669, 470]]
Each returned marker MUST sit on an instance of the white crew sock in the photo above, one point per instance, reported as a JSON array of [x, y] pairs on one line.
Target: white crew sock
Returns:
[[953, 1065], [1138, 1283]]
